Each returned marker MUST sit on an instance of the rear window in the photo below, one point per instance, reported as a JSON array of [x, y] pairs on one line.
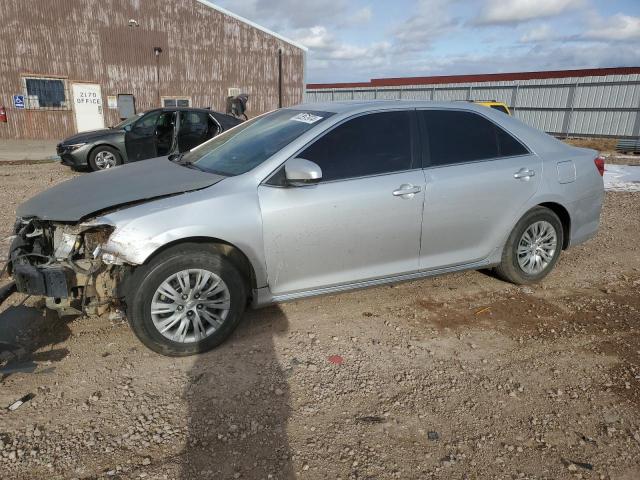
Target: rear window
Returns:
[[459, 137]]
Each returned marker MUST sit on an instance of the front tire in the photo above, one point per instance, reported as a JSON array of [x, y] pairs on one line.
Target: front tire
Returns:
[[104, 157], [533, 247], [187, 300]]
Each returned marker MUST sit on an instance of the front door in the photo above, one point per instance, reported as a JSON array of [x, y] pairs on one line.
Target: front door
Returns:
[[361, 222], [479, 178], [87, 106], [151, 136]]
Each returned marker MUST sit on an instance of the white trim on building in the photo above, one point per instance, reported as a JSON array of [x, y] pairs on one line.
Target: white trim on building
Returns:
[[253, 24]]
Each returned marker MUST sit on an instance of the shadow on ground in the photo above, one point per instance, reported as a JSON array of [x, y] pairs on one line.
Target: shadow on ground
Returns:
[[25, 330], [238, 402]]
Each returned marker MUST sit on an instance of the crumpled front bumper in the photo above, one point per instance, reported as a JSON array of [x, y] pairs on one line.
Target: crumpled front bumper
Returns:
[[48, 281], [58, 262]]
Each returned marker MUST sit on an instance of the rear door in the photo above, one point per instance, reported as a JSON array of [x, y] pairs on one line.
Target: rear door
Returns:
[[479, 177], [362, 221], [195, 128]]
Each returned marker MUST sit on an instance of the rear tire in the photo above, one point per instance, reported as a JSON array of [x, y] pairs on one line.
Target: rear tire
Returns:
[[206, 324], [104, 157], [533, 247]]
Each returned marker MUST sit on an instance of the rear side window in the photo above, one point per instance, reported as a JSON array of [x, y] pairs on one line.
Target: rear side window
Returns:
[[371, 144], [459, 137], [508, 145], [194, 121]]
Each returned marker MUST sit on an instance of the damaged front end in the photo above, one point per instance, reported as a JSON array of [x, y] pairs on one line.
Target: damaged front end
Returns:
[[63, 263]]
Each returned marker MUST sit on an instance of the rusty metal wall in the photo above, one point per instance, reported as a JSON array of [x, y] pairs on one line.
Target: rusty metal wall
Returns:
[[590, 106], [205, 52]]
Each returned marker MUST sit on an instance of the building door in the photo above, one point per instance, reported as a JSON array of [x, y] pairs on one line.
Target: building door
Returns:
[[87, 105], [126, 105]]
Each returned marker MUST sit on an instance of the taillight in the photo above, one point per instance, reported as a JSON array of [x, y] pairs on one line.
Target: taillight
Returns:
[[599, 161]]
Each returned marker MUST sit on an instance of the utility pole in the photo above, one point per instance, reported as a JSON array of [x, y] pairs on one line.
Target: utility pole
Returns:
[[157, 51], [279, 77]]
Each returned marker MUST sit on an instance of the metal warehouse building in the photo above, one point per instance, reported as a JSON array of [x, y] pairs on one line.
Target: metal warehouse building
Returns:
[[74, 65], [603, 102]]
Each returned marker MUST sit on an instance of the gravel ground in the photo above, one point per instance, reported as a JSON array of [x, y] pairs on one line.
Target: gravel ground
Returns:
[[461, 376]]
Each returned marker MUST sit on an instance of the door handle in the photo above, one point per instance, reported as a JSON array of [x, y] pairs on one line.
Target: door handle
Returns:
[[524, 174], [407, 190]]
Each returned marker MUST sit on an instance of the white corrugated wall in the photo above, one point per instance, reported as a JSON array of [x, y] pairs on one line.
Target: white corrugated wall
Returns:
[[597, 106]]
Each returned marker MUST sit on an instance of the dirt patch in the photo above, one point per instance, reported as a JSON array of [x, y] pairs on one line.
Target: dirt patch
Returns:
[[600, 144]]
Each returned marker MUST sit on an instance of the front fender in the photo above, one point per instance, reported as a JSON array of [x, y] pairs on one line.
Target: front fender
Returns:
[[135, 246], [224, 213]]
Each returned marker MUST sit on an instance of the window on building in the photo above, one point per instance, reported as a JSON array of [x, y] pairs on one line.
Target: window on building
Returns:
[[367, 145], [170, 102], [459, 137], [46, 93]]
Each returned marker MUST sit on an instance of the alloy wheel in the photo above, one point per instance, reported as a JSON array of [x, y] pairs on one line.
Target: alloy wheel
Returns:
[[190, 305], [105, 160], [537, 247]]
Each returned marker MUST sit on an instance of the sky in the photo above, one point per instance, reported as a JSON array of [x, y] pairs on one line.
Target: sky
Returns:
[[356, 40]]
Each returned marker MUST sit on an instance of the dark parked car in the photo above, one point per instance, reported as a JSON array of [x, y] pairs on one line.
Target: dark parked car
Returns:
[[155, 133]]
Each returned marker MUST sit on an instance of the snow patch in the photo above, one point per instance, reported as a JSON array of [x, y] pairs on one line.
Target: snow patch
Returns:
[[622, 178]]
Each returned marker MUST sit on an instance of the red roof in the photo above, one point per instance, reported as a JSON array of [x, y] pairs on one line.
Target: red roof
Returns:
[[487, 77]]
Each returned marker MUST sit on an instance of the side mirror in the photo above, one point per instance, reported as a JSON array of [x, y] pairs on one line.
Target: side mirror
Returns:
[[128, 128], [301, 172]]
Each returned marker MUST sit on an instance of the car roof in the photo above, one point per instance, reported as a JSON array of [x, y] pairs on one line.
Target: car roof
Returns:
[[184, 109], [355, 106]]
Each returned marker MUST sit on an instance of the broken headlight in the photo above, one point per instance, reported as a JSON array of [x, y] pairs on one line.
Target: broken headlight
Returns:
[[96, 236], [79, 242], [65, 244]]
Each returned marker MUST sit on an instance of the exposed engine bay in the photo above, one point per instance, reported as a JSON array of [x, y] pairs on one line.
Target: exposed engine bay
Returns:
[[63, 263]]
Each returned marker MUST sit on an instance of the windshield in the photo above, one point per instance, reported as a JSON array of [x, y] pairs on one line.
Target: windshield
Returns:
[[128, 121], [246, 146]]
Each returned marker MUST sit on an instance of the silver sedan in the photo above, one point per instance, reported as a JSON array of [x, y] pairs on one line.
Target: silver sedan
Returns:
[[307, 200]]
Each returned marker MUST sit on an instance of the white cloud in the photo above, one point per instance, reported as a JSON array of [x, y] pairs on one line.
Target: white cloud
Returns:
[[315, 38], [283, 15], [542, 33], [361, 16], [617, 27], [498, 12], [325, 47], [430, 21], [551, 56]]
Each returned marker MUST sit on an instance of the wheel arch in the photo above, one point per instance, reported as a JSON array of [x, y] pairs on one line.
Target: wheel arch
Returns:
[[565, 220], [123, 155], [229, 250]]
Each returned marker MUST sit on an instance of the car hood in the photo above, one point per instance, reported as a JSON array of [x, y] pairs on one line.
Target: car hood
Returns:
[[90, 136], [91, 193]]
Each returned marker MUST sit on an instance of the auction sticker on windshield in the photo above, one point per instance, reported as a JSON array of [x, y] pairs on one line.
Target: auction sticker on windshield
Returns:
[[306, 118]]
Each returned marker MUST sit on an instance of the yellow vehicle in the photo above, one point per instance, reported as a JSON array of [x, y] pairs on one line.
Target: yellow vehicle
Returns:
[[495, 105]]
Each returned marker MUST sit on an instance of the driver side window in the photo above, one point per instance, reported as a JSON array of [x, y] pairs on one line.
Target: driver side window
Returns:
[[148, 121], [371, 144]]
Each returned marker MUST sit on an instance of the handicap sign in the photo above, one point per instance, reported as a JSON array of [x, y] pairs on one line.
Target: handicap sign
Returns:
[[18, 101]]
